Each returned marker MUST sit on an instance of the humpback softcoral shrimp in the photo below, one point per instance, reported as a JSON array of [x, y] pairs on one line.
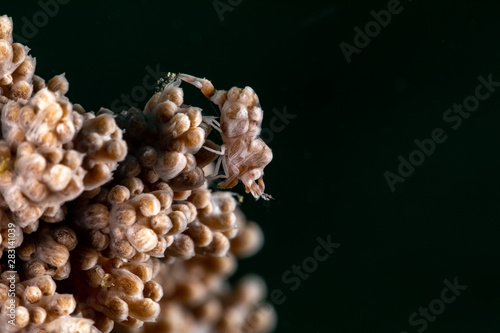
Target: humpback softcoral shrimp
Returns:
[[243, 154]]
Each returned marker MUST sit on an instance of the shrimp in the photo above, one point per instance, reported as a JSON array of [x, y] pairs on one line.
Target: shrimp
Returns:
[[243, 155]]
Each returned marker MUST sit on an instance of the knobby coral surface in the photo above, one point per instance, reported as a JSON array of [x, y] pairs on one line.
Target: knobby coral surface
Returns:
[[108, 221]]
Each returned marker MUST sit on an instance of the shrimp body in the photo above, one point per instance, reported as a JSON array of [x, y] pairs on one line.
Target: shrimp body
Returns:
[[244, 155]]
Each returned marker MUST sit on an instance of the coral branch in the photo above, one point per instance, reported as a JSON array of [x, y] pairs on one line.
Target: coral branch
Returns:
[[110, 218]]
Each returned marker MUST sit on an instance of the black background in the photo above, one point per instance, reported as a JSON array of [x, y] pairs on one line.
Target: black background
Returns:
[[351, 123]]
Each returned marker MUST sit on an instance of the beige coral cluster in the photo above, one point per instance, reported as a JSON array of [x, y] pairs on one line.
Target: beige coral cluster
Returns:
[[16, 66], [111, 217], [197, 297], [37, 307]]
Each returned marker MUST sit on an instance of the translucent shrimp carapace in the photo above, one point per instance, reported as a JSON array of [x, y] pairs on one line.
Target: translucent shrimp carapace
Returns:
[[243, 155]]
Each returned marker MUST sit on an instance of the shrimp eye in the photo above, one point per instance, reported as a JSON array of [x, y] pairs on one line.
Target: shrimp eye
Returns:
[[164, 80]]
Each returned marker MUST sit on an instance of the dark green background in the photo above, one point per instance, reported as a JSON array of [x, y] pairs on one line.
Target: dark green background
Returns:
[[352, 121]]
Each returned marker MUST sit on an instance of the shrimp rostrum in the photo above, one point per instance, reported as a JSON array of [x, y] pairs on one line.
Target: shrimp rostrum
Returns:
[[243, 155]]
